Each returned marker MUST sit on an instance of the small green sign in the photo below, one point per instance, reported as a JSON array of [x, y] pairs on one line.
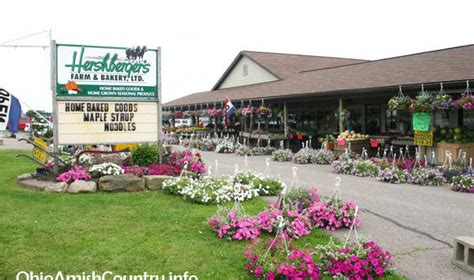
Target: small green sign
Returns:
[[421, 121]]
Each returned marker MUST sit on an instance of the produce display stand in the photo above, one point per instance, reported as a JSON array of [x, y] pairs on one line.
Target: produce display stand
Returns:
[[356, 146]]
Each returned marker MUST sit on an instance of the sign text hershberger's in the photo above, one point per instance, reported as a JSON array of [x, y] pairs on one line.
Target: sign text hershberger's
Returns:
[[87, 71]]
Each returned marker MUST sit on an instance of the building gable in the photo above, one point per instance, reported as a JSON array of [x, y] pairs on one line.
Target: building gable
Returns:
[[245, 72]]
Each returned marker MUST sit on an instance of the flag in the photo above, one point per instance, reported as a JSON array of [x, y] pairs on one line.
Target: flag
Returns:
[[15, 115], [10, 111], [229, 110]]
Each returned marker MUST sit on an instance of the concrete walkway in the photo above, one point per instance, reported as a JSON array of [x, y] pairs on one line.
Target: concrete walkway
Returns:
[[416, 224]]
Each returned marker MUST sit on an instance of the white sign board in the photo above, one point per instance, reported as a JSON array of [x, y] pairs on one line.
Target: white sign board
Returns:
[[86, 122]]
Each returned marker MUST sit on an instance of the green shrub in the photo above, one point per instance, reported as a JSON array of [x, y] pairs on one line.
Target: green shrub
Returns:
[[145, 155]]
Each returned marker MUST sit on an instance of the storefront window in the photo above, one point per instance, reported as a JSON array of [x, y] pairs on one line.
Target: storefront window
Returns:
[[390, 120], [441, 119], [372, 119], [354, 123], [468, 118], [327, 123]]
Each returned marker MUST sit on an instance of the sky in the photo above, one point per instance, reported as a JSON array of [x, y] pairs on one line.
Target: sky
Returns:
[[199, 39]]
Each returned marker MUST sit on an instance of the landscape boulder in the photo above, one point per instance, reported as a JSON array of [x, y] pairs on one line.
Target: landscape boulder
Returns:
[[23, 177], [81, 186], [155, 182], [36, 184], [121, 183], [59, 187]]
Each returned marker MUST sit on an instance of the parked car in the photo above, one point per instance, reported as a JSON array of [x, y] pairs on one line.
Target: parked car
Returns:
[[182, 122], [24, 121]]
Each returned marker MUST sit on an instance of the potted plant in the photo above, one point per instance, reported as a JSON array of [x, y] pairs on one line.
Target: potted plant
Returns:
[[328, 141]]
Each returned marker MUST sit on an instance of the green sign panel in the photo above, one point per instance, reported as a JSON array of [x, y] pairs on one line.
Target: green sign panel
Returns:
[[421, 121], [95, 71]]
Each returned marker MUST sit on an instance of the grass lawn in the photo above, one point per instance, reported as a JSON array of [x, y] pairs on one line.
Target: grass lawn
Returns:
[[126, 233]]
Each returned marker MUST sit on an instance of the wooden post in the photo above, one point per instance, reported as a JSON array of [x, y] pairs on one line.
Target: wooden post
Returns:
[[285, 121], [341, 120]]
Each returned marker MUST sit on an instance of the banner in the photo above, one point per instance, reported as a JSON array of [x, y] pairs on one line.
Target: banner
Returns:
[[421, 121], [98, 71], [5, 102], [229, 110], [10, 111]]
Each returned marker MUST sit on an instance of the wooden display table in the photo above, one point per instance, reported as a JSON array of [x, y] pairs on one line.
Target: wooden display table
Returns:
[[441, 149], [356, 146]]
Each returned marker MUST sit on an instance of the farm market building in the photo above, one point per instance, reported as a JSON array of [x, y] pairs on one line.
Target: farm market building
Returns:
[[306, 92]]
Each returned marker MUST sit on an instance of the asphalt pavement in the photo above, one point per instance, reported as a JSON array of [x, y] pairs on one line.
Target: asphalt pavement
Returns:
[[416, 224], [13, 143]]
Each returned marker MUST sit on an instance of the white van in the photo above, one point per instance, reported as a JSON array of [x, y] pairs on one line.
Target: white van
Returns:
[[182, 122]]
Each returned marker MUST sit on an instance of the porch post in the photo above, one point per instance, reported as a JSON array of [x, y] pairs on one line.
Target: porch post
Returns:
[[285, 121], [341, 120]]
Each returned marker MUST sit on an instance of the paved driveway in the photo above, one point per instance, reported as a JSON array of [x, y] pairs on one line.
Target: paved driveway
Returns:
[[416, 224]]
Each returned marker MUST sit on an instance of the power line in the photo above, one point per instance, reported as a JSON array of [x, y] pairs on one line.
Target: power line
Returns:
[[24, 37], [24, 46]]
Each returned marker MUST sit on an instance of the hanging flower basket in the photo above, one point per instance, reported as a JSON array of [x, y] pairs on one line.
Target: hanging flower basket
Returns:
[[422, 103], [442, 102], [263, 111], [195, 113], [177, 115], [247, 111], [399, 103], [214, 113], [465, 101]]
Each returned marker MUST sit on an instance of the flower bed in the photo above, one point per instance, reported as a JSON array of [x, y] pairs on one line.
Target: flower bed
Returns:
[[333, 214], [343, 166], [304, 156], [103, 169], [358, 260], [76, 173], [262, 151], [232, 225], [243, 150], [463, 183], [426, 177], [272, 259], [303, 198], [282, 155], [323, 156], [225, 147], [365, 168], [265, 185], [296, 224], [393, 175]]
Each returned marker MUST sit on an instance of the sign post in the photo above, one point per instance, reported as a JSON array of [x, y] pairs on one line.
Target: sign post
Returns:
[[105, 95]]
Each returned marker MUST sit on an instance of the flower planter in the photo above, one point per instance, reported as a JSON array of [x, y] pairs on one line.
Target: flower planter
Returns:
[[329, 146]]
